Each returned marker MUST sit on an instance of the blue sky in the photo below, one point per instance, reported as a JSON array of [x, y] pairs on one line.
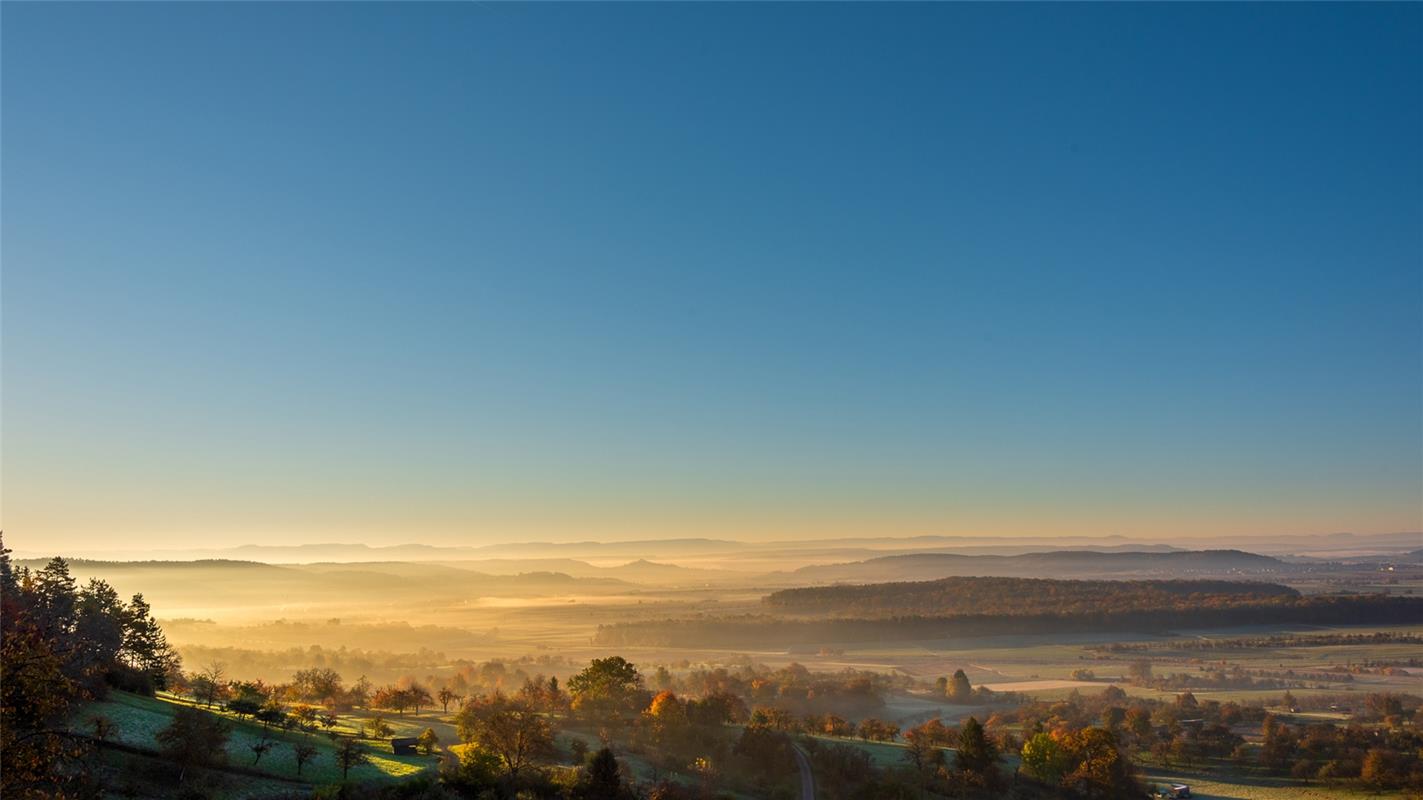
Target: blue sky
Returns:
[[482, 272]]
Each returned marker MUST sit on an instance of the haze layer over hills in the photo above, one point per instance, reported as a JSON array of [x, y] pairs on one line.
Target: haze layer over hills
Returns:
[[753, 555]]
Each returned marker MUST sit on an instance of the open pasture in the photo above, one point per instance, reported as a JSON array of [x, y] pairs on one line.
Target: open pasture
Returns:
[[138, 720]]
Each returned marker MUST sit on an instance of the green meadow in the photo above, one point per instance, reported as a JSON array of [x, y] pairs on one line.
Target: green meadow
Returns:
[[137, 721]]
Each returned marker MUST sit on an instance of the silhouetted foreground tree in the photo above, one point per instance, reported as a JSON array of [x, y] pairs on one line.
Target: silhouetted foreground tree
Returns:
[[61, 645]]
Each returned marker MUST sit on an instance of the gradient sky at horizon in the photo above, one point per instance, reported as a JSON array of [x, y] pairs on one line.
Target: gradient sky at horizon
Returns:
[[464, 273]]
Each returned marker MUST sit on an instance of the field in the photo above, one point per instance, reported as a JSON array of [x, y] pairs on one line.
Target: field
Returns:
[[137, 720]]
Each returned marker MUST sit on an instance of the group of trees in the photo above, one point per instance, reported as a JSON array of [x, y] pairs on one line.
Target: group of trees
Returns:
[[1141, 673], [685, 731], [398, 698], [1377, 757], [1083, 743], [318, 686], [957, 689], [62, 645], [276, 665], [792, 687], [319, 680], [511, 736], [1184, 731], [499, 675], [274, 705], [870, 729], [972, 770], [1087, 762]]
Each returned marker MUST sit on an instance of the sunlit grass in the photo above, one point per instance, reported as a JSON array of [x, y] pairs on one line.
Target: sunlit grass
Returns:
[[138, 720]]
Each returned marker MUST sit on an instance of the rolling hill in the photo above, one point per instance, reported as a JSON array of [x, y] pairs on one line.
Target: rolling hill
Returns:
[[1060, 563]]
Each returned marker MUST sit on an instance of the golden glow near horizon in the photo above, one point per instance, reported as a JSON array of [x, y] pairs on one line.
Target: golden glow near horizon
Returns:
[[73, 532]]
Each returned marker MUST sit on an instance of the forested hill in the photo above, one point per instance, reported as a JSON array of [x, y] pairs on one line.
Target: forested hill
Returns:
[[1062, 563], [781, 630], [1016, 596]]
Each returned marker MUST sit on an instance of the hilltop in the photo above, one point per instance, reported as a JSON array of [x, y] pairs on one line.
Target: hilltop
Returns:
[[1060, 563]]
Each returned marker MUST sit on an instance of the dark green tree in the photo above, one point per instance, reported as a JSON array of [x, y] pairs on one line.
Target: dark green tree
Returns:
[[977, 758], [194, 739], [602, 779], [607, 686]]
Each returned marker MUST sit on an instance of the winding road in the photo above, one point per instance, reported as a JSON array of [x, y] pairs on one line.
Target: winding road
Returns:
[[807, 777]]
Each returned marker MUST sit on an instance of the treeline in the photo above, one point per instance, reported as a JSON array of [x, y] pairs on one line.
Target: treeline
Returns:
[[332, 634], [768, 631], [271, 665], [1017, 596], [62, 645], [1236, 678], [793, 688], [1265, 642]]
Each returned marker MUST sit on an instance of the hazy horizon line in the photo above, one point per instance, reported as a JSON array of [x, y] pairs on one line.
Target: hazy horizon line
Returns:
[[27, 552]]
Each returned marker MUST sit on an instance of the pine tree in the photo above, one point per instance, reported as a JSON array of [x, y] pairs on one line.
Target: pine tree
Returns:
[[977, 757]]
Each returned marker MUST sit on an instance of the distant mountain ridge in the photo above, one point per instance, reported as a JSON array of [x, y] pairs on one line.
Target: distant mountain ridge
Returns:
[[1058, 563], [227, 583], [763, 556]]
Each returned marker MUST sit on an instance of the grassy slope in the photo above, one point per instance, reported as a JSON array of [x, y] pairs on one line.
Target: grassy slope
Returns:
[[138, 720]]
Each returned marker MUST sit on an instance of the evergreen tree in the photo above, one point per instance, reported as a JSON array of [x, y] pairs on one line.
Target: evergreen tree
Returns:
[[977, 758], [602, 779]]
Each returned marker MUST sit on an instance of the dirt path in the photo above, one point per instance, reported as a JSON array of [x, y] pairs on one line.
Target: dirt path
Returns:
[[807, 776]]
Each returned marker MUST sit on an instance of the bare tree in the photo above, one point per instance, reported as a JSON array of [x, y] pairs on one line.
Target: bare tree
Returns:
[[349, 753], [303, 752], [208, 683], [260, 748]]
